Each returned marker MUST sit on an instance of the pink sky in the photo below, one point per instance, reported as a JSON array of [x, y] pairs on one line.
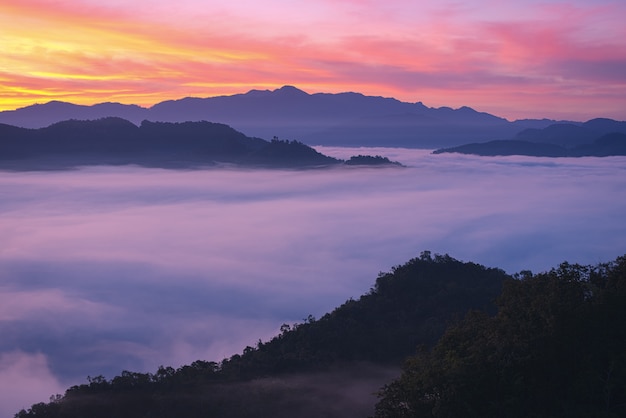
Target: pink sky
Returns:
[[513, 59]]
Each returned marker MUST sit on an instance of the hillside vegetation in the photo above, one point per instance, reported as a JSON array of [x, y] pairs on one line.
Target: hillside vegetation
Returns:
[[115, 141], [556, 348], [553, 344]]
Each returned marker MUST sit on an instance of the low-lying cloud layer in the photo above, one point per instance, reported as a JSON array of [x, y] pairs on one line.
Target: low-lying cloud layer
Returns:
[[105, 269]]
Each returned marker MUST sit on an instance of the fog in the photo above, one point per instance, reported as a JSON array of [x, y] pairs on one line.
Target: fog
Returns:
[[104, 269]]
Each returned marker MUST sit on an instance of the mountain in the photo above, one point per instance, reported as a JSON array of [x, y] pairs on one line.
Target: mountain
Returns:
[[42, 115], [474, 342], [348, 119], [377, 161], [507, 147], [607, 145], [597, 138], [569, 135], [115, 141], [555, 348], [326, 367]]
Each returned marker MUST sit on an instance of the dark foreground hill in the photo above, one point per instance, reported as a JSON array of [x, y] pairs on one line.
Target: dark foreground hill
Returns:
[[553, 345], [115, 141], [326, 367], [556, 348]]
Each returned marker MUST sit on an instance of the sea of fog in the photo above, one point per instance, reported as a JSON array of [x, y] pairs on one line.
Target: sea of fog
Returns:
[[104, 269]]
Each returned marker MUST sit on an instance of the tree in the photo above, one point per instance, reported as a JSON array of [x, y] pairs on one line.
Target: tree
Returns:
[[556, 347]]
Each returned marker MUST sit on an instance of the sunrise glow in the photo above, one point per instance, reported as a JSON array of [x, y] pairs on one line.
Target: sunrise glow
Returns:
[[517, 60]]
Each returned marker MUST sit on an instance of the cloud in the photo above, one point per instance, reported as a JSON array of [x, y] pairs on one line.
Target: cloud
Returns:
[[105, 269], [18, 305], [25, 379], [522, 60]]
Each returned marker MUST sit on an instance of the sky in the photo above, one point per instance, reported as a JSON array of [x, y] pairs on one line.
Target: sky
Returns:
[[106, 269], [515, 59]]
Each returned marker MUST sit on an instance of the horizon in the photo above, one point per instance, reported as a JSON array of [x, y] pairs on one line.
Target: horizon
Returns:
[[529, 60], [147, 107], [105, 268]]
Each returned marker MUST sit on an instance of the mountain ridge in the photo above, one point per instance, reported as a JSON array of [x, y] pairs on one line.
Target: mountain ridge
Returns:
[[475, 342], [363, 339], [345, 119], [117, 141], [598, 137]]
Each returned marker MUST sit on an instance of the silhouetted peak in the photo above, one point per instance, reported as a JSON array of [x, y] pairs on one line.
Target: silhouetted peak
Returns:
[[290, 91], [544, 120], [601, 120], [605, 125], [53, 104], [257, 93], [115, 105], [283, 92], [351, 94]]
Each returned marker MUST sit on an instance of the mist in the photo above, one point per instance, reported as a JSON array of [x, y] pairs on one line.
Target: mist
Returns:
[[110, 268]]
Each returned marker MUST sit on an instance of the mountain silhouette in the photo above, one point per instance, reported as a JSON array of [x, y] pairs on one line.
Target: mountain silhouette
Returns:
[[115, 141], [507, 147], [597, 137], [43, 115], [348, 119], [473, 341], [313, 369]]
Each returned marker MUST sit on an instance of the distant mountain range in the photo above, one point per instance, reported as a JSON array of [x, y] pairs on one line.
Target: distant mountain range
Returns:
[[344, 119], [352, 119], [115, 141], [597, 138]]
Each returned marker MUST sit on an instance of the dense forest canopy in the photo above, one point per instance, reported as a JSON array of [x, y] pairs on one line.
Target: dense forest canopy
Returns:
[[474, 342], [556, 348]]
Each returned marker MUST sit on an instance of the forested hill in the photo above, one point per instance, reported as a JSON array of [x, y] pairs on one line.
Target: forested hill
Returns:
[[115, 141], [552, 345], [407, 307], [556, 348]]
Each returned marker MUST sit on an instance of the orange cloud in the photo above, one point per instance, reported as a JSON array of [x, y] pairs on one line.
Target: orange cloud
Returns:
[[441, 53]]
